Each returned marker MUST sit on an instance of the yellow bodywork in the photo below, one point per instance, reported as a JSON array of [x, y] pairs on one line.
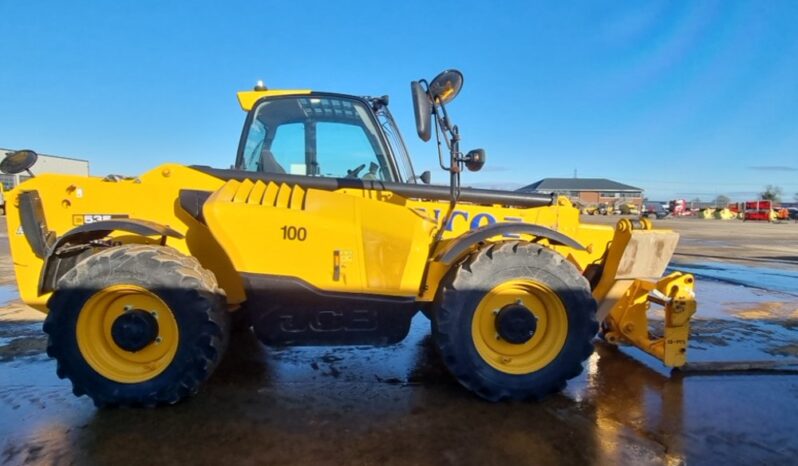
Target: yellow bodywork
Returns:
[[354, 240], [70, 201], [380, 241], [381, 246], [247, 99]]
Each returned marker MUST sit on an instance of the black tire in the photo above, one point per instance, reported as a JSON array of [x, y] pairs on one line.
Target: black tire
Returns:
[[240, 321], [464, 287], [196, 302]]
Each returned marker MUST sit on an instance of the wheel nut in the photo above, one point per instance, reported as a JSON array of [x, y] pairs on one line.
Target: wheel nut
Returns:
[[158, 340], [154, 314]]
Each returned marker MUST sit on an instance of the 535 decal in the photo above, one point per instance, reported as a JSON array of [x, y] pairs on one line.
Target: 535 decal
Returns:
[[82, 219]]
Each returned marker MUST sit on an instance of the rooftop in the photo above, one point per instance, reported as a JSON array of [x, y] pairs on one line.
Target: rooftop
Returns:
[[577, 184]]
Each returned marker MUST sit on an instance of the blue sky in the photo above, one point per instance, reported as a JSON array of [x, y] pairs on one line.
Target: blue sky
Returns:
[[684, 99]]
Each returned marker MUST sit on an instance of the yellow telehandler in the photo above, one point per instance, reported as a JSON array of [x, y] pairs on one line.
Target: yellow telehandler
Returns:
[[323, 234]]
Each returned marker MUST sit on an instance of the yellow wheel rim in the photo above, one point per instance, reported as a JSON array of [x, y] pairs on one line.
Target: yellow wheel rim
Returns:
[[101, 352], [546, 342]]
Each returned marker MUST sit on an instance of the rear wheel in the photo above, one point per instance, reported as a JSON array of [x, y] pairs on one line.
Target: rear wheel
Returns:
[[514, 321], [137, 325]]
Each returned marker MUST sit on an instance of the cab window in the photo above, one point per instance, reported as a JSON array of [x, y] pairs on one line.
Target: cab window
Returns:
[[288, 149], [315, 136]]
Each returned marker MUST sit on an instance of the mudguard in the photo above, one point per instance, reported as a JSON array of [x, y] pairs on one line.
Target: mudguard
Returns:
[[458, 247], [101, 229], [55, 265]]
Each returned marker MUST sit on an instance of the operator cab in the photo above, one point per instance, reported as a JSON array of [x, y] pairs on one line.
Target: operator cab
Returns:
[[321, 135]]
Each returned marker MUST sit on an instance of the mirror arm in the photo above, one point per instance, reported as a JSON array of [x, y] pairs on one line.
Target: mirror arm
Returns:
[[445, 123], [438, 132], [451, 135], [455, 159], [454, 168], [442, 119]]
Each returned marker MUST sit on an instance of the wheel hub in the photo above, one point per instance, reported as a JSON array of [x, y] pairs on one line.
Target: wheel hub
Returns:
[[515, 323], [134, 330]]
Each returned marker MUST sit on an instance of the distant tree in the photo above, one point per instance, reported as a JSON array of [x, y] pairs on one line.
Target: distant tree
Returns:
[[795, 197], [721, 201], [772, 193]]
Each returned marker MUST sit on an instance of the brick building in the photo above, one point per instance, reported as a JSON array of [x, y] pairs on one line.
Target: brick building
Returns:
[[589, 191]]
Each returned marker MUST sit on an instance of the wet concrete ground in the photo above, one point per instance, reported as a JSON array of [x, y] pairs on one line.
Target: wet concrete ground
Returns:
[[398, 405], [760, 244]]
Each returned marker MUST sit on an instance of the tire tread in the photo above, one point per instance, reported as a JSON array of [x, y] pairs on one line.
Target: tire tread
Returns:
[[472, 271], [160, 264]]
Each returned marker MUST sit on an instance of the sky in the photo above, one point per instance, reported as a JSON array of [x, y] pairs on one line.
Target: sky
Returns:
[[686, 99]]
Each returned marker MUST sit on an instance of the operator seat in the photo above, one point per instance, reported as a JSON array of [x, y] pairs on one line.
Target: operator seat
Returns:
[[372, 173], [268, 164]]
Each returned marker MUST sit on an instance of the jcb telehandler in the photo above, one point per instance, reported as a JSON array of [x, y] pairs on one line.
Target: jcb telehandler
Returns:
[[323, 234]]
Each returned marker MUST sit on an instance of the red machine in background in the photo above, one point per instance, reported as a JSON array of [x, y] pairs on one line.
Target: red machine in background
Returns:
[[758, 210], [679, 208]]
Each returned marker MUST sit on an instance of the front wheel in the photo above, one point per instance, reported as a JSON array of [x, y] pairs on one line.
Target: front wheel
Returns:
[[514, 321], [137, 325]]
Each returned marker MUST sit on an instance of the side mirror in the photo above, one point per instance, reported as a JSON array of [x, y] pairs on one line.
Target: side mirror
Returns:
[[475, 159], [18, 162], [426, 177], [445, 87], [422, 108]]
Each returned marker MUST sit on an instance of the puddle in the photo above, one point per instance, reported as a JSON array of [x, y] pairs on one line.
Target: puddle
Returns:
[[737, 340], [759, 277], [8, 293], [723, 300], [21, 340], [402, 364]]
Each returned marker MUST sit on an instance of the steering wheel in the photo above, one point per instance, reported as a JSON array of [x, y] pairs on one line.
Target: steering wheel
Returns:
[[355, 171]]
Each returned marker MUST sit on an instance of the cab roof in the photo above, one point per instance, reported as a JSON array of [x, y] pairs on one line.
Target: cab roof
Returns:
[[247, 99]]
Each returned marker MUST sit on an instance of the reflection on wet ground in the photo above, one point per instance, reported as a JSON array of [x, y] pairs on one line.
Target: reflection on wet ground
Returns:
[[7, 293], [758, 277], [398, 405]]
